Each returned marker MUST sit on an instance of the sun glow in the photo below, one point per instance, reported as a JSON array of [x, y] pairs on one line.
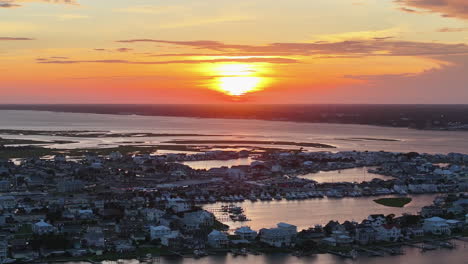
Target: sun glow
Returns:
[[238, 85], [237, 79]]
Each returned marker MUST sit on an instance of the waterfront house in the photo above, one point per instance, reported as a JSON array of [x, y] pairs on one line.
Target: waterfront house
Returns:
[[388, 232], [246, 233], [341, 237], [377, 220], [197, 220], [217, 239], [178, 205], [436, 226], [281, 236], [365, 234]]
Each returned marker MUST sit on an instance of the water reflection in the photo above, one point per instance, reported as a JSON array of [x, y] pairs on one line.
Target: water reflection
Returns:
[[347, 175]]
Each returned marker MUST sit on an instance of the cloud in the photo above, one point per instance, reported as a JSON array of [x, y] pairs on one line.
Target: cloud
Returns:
[[13, 39], [144, 9], [8, 5], [244, 60], [124, 49], [18, 3], [448, 8], [367, 47], [449, 30]]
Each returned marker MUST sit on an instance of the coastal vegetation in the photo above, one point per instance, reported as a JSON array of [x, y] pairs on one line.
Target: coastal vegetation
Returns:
[[252, 142], [394, 202]]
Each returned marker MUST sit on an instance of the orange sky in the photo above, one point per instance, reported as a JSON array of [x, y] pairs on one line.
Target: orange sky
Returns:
[[257, 51]]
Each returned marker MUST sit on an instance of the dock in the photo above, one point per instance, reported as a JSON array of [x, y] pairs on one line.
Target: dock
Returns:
[[371, 252]]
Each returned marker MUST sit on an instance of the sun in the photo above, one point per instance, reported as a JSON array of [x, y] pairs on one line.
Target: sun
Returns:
[[238, 85], [237, 79]]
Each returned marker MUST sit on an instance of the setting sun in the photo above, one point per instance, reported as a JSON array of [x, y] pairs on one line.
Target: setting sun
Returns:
[[237, 79], [238, 85]]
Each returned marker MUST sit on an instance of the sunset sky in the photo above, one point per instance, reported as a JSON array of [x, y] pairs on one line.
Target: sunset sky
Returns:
[[219, 51]]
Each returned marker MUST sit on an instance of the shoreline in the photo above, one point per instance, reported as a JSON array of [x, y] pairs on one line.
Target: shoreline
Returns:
[[230, 118]]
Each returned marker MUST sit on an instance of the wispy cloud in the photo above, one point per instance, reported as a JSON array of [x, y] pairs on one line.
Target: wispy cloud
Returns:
[[450, 30], [369, 47], [244, 60], [13, 39], [206, 21], [146, 9], [18, 3], [448, 8]]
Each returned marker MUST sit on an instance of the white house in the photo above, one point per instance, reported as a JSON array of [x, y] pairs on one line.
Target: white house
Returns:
[[436, 226], [281, 236], [246, 233], [178, 205], [217, 239], [42, 227], [388, 233]]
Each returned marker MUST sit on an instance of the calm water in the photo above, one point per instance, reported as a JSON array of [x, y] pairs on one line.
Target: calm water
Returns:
[[347, 175], [308, 213], [208, 164], [342, 136], [412, 256]]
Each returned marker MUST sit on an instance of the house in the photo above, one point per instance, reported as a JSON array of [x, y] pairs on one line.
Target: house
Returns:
[[388, 232], [376, 220], [7, 202], [152, 214], [341, 237], [85, 214], [217, 239], [178, 205], [115, 155], [365, 235], [246, 233], [281, 236], [42, 228], [197, 220], [436, 226], [236, 174], [454, 224], [157, 232], [172, 240], [3, 250], [95, 237], [66, 186], [4, 185]]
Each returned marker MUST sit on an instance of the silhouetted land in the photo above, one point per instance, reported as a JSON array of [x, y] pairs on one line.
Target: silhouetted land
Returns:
[[446, 117]]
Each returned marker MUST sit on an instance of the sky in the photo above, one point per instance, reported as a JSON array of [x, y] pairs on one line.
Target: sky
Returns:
[[244, 51]]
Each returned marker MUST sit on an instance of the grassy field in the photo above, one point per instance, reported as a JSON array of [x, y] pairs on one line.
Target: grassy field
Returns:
[[394, 202]]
